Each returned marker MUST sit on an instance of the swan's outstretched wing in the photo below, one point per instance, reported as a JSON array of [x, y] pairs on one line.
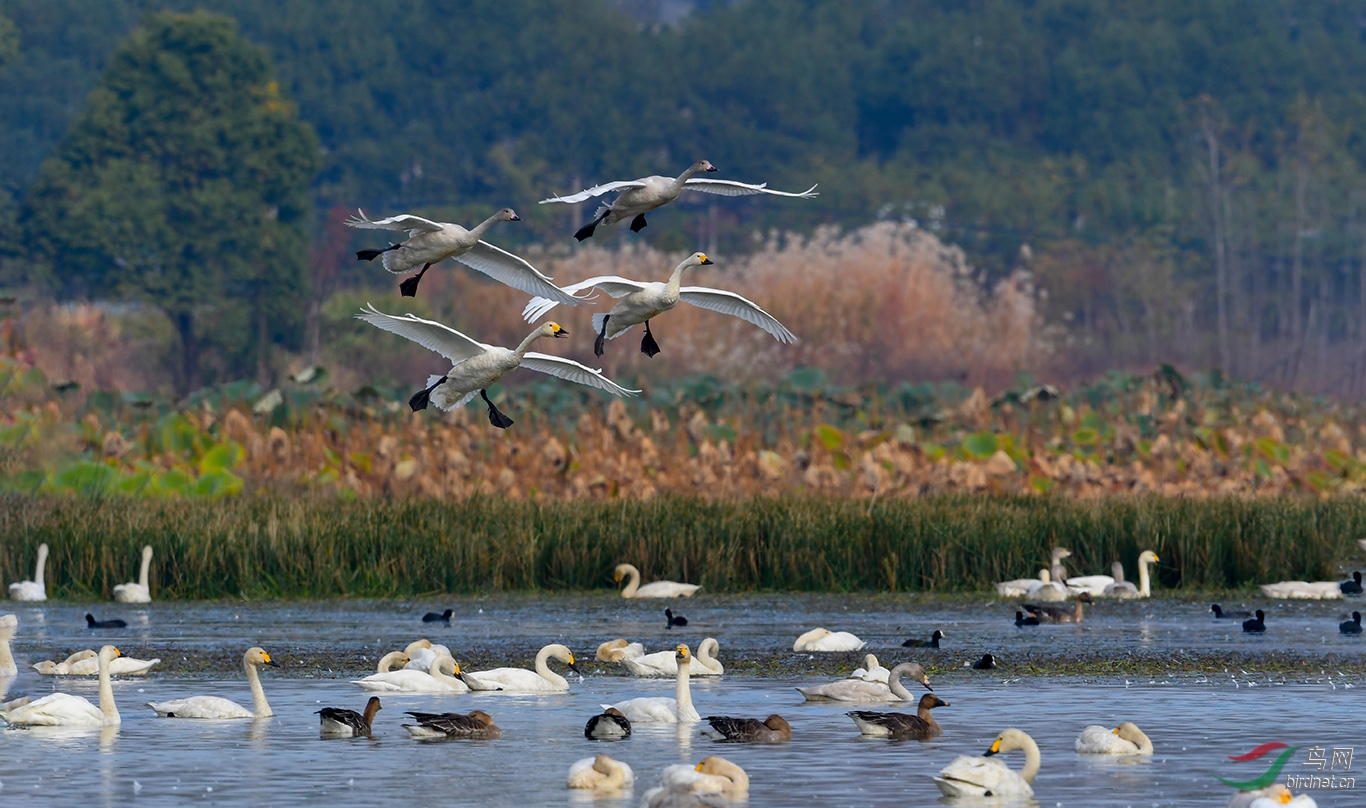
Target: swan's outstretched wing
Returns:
[[733, 188], [572, 371], [507, 268], [614, 285], [596, 190], [736, 306], [428, 333], [403, 221]]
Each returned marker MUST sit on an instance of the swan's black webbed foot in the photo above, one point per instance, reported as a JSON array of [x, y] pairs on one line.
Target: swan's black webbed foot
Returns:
[[496, 417], [638, 223], [648, 346], [408, 287], [422, 398]]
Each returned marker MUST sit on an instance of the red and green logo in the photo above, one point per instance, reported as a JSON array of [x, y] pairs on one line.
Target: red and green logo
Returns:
[[1267, 777]]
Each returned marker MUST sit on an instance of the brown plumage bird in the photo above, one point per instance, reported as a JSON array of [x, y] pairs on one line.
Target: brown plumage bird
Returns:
[[608, 725], [901, 725], [1059, 614], [477, 724], [773, 729], [348, 723]]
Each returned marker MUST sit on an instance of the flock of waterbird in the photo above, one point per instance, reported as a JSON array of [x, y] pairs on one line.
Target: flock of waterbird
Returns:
[[424, 667], [477, 366]]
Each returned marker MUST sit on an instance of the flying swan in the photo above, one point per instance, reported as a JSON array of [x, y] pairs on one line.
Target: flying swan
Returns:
[[214, 707], [138, 592], [429, 242], [656, 589], [66, 710], [477, 366], [970, 776], [641, 196], [642, 302], [35, 589]]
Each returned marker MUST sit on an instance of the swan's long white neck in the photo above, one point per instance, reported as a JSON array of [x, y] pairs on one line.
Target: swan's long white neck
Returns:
[[616, 775], [7, 666], [478, 231], [146, 567], [526, 343], [676, 279], [632, 582], [1141, 740], [438, 673], [706, 655], [1059, 572], [389, 660], [1143, 579], [739, 780], [259, 705], [107, 706], [685, 176], [683, 695], [543, 669], [1031, 750], [42, 563], [898, 689]]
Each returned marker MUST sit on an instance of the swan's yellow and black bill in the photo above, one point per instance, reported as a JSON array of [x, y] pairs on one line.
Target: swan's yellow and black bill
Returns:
[[558, 331], [995, 748], [268, 660], [705, 259]]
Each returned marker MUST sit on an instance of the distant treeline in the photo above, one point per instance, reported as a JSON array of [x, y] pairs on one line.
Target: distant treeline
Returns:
[[1183, 177]]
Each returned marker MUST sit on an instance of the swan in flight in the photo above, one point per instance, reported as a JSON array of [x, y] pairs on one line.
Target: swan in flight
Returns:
[[662, 709], [601, 773], [1126, 739], [341, 722], [138, 592], [819, 639], [970, 776], [66, 710], [477, 366], [655, 589], [32, 590], [663, 663], [1123, 589], [540, 680], [214, 707], [920, 726], [642, 302], [429, 242], [641, 196], [857, 690]]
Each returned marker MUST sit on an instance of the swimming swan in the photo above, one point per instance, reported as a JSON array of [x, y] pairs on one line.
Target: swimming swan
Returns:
[[8, 623], [214, 707], [1126, 739], [901, 725], [714, 775], [656, 589], [856, 690], [1020, 587], [32, 590], [540, 680], [339, 721], [872, 671], [1048, 590], [641, 196], [643, 301], [435, 680], [86, 663], [430, 242], [662, 709], [601, 773], [619, 649], [477, 366], [819, 639], [664, 663], [422, 653], [981, 776], [1303, 590], [66, 710], [1122, 588], [139, 592], [1275, 795]]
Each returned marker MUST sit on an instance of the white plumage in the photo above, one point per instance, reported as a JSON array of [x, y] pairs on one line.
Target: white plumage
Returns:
[[540, 680], [66, 710], [819, 639], [664, 663], [655, 589], [1126, 739], [601, 773], [968, 776], [34, 590], [1303, 590], [215, 707], [139, 591], [661, 709]]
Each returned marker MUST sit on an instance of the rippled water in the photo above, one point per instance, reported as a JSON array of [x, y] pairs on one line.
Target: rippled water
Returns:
[[1194, 721]]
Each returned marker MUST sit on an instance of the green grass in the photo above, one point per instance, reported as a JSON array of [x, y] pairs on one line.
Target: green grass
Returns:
[[278, 547]]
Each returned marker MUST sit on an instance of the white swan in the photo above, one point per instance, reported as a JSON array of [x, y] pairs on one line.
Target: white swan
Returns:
[[215, 707], [541, 680], [619, 649], [1020, 587], [49, 667], [643, 301], [66, 710], [819, 639], [138, 592], [429, 242], [1123, 589], [662, 709], [968, 776], [1303, 590], [477, 366], [714, 775], [434, 680], [1046, 589], [857, 690], [86, 663], [641, 196], [1275, 795], [32, 590], [601, 773], [871, 671], [655, 589], [422, 653], [1126, 739], [8, 623], [664, 663]]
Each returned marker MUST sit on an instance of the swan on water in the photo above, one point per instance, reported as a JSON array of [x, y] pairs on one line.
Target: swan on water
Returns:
[[714, 775], [901, 725], [214, 707], [1275, 795], [664, 663], [662, 709], [86, 663], [1303, 590], [856, 690], [476, 725], [1021, 587], [642, 301], [540, 680], [639, 197], [34, 590], [422, 653], [442, 677], [429, 242], [339, 721], [66, 710], [654, 589], [1126, 739], [141, 591], [619, 649], [600, 773], [8, 623], [477, 366], [872, 671], [819, 639], [970, 776]]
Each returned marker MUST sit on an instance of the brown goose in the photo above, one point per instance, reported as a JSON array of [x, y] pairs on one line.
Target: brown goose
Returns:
[[901, 725], [349, 723], [773, 729], [1059, 614], [477, 724], [610, 724]]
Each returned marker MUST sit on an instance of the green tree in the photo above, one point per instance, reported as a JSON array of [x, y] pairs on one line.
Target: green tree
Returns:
[[184, 184]]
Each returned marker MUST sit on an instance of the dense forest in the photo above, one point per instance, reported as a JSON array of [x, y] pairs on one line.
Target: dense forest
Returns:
[[1182, 179]]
